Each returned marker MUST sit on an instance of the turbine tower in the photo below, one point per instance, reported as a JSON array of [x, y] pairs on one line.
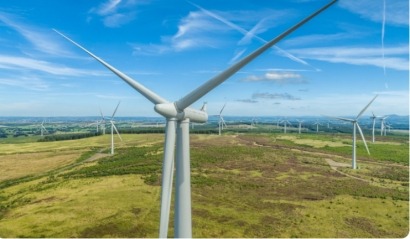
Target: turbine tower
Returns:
[[285, 122], [221, 121], [356, 125], [317, 126], [383, 125], [178, 115], [300, 125], [42, 128], [373, 117], [102, 122], [114, 128]]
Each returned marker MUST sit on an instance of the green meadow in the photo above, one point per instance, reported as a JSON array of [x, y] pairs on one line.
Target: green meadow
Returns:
[[243, 185]]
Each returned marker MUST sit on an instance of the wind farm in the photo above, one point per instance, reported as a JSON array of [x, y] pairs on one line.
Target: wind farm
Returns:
[[278, 159]]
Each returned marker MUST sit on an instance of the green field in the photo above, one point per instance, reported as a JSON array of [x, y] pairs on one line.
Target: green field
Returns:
[[243, 185]]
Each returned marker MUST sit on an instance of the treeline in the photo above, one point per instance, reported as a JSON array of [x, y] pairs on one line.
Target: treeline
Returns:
[[162, 131], [59, 137]]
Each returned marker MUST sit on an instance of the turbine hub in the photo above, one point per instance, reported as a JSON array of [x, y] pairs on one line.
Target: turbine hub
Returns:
[[169, 110]]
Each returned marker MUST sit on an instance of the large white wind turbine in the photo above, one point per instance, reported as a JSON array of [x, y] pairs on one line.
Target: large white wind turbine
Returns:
[[178, 115], [221, 122], [114, 128], [356, 125]]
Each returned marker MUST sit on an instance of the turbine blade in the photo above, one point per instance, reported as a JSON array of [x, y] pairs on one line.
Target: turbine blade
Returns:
[[222, 109], [217, 80], [102, 116], [167, 176], [112, 117], [340, 118], [115, 128], [364, 109], [364, 140], [150, 95]]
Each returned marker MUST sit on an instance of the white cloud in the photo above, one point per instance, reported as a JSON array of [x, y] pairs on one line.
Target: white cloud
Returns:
[[274, 96], [107, 7], [277, 77], [397, 11], [115, 13], [23, 63], [30, 83], [395, 57], [40, 38]]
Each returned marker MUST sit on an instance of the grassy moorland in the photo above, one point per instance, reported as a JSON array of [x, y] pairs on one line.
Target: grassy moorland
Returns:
[[262, 185]]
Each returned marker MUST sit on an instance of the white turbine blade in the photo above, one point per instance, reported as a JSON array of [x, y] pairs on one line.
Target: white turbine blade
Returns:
[[340, 118], [167, 176], [364, 140], [112, 117], [223, 121], [115, 128], [217, 80], [102, 115], [203, 108], [150, 95], [364, 109], [222, 109]]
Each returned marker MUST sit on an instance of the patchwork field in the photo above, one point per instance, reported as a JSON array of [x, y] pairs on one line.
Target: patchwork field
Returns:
[[243, 185]]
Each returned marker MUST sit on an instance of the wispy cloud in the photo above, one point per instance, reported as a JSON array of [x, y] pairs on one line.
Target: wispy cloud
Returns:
[[277, 77], [41, 39], [397, 11], [319, 38], [248, 101], [275, 96], [30, 83], [23, 63], [115, 13], [395, 57], [251, 34]]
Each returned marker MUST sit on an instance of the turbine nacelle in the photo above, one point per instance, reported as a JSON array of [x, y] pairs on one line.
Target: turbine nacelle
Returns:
[[169, 110]]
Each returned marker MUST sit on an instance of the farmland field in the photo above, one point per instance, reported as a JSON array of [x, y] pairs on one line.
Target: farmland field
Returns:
[[243, 185]]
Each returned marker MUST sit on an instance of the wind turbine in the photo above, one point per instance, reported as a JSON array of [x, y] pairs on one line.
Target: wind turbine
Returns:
[[383, 125], [300, 125], [101, 123], [373, 117], [114, 128], [317, 126], [178, 115], [221, 121], [356, 125], [42, 128], [285, 122]]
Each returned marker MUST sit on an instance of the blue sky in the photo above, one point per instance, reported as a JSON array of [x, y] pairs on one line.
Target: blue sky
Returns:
[[333, 65]]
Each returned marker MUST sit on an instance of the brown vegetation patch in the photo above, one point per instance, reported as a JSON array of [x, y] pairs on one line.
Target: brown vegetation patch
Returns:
[[366, 225]]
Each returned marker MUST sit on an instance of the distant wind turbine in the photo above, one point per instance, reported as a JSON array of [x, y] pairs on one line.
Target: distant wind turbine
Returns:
[[317, 126], [42, 128], [285, 122], [300, 125], [383, 125], [114, 128], [101, 123], [178, 115], [373, 117], [221, 122], [356, 125]]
